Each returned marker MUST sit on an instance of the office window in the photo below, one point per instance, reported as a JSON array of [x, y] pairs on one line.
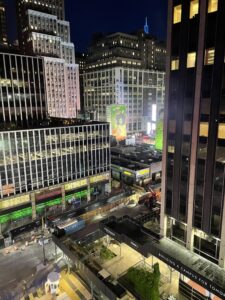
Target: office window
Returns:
[[177, 11], [175, 64], [212, 6], [209, 56], [194, 6], [191, 59]]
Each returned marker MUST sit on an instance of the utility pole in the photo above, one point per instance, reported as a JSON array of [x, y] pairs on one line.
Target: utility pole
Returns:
[[43, 244]]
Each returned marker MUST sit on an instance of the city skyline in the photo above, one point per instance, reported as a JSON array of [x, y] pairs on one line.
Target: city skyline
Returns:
[[128, 17], [114, 155]]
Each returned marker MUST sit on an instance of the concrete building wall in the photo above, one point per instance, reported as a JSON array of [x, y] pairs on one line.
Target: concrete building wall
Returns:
[[136, 88]]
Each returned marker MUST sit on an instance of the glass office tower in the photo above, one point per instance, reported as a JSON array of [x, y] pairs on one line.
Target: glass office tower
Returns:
[[194, 151]]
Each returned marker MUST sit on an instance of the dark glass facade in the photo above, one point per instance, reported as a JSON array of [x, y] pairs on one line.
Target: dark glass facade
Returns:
[[195, 137], [22, 89]]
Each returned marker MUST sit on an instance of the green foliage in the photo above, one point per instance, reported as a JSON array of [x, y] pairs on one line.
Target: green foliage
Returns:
[[146, 284], [106, 254]]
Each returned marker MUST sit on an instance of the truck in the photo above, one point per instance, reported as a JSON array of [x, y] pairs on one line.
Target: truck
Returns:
[[69, 226]]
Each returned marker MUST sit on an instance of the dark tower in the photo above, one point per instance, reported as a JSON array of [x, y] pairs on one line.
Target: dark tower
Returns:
[[193, 212], [3, 32]]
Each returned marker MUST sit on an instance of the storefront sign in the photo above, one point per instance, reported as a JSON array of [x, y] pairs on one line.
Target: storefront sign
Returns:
[[144, 172], [76, 184], [48, 194], [5, 204], [175, 264], [192, 275], [127, 173], [99, 178]]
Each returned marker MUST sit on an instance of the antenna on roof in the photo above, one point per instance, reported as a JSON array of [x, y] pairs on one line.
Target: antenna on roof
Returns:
[[146, 28]]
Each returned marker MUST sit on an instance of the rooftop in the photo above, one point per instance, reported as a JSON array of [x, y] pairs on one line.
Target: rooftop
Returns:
[[41, 124], [141, 156]]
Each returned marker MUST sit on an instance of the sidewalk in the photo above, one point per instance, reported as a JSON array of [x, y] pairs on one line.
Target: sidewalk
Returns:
[[70, 284], [129, 257]]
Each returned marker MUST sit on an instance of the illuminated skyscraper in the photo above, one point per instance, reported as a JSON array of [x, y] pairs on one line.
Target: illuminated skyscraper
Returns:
[[126, 69], [43, 32]]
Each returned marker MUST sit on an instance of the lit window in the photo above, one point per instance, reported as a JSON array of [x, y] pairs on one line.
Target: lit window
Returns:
[[209, 56], [175, 64], [191, 59], [212, 6], [177, 14], [194, 6]]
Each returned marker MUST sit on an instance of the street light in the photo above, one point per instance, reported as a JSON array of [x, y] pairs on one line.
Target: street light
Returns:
[[43, 244]]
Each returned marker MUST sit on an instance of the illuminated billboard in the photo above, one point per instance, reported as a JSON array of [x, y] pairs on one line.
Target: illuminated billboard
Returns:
[[159, 131], [116, 116], [159, 135]]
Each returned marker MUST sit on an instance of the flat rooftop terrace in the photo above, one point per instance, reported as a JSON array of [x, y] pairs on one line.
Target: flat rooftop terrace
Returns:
[[41, 124], [125, 163], [143, 154], [195, 267]]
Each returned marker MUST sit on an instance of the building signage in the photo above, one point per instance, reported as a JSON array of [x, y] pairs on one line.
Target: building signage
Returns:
[[116, 116], [159, 135], [75, 184], [127, 173], [99, 178], [177, 265], [48, 194], [143, 172], [192, 275]]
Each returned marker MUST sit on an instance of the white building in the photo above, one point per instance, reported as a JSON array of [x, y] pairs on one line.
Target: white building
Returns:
[[142, 91], [45, 34]]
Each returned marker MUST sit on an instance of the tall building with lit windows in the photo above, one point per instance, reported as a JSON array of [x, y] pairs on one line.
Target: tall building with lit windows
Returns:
[[22, 92], [126, 69], [3, 32], [141, 91], [49, 160], [43, 31], [193, 205], [134, 50], [49, 166]]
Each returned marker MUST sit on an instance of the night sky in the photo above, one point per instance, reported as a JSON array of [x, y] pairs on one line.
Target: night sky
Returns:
[[88, 17]]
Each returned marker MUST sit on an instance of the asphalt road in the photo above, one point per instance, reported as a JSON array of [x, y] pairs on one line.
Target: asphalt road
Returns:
[[21, 265]]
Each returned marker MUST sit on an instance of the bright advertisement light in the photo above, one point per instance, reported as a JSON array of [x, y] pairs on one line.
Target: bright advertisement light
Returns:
[[154, 110], [149, 127]]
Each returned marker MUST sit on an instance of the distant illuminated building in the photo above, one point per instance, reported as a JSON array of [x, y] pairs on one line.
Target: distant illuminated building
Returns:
[[132, 50], [49, 160], [126, 69], [43, 31], [81, 61], [22, 92], [141, 91]]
